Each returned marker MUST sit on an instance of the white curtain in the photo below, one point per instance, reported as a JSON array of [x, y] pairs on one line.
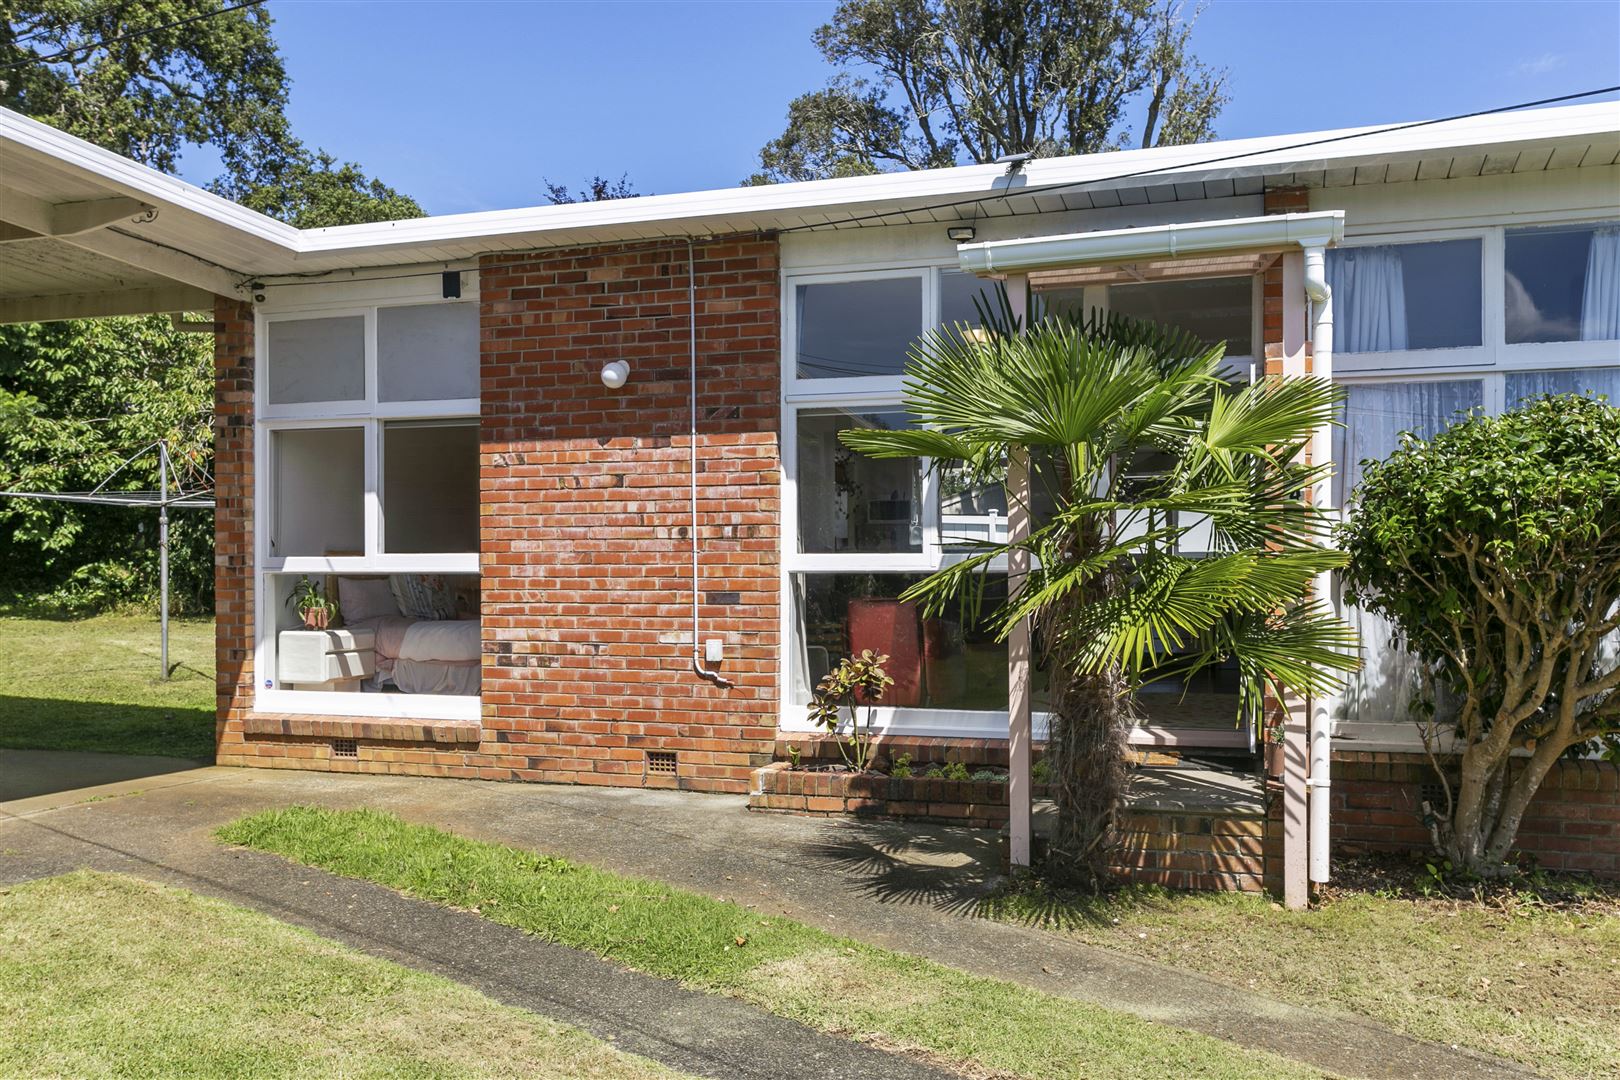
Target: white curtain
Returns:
[[1369, 299], [1600, 303], [1375, 416]]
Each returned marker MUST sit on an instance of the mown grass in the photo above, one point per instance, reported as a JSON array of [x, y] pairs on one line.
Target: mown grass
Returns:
[[95, 684], [105, 975], [1510, 976], [828, 982]]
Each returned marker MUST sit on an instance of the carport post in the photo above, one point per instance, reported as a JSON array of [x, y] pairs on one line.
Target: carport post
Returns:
[[1019, 735]]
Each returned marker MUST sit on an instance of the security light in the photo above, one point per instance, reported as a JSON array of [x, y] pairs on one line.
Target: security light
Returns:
[[960, 233], [615, 373]]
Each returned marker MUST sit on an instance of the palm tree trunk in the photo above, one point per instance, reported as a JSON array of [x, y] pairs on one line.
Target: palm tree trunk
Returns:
[[1087, 743]]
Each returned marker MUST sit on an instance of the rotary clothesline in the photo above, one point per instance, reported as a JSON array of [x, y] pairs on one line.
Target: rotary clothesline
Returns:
[[162, 499]]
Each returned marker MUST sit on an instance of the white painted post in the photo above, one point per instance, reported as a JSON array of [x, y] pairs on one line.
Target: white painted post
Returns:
[[1296, 886], [1019, 735], [1325, 705]]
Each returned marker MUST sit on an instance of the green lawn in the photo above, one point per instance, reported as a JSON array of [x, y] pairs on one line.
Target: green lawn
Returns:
[[105, 975], [985, 1026], [93, 684], [1510, 976]]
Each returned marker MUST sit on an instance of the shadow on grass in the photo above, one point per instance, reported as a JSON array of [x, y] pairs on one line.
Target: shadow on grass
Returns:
[[32, 723]]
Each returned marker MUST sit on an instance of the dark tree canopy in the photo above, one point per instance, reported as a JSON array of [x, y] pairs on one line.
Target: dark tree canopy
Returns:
[[76, 398], [924, 84]]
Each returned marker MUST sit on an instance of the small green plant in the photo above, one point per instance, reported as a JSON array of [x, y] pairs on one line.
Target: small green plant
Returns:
[[312, 604], [1041, 772], [901, 767], [934, 773], [857, 682], [794, 754], [988, 776], [955, 770]]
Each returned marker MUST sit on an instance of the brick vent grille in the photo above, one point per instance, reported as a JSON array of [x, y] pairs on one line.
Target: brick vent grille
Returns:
[[345, 748], [661, 763], [1433, 794]]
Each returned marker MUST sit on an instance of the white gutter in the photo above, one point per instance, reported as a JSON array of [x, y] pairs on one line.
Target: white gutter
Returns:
[[1178, 240], [1322, 708]]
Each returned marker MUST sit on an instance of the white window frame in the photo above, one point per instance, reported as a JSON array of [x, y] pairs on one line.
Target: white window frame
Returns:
[[370, 414], [882, 393], [1493, 353]]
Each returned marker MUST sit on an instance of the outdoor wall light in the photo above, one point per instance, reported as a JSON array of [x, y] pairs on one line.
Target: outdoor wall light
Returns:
[[615, 373], [960, 233]]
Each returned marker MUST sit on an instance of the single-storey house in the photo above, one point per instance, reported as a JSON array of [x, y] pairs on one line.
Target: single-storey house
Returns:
[[572, 472]]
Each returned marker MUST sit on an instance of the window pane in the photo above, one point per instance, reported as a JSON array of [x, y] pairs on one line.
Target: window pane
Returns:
[[430, 486], [856, 328], [850, 502], [1392, 298], [1376, 415], [1215, 309], [960, 296], [427, 352], [317, 360], [1526, 384], [318, 505], [1562, 284], [936, 663]]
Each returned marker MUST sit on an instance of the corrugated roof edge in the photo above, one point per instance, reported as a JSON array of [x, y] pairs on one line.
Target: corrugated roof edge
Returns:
[[742, 208]]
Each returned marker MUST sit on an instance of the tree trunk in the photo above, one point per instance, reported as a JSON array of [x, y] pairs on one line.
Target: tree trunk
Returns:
[[1087, 743]]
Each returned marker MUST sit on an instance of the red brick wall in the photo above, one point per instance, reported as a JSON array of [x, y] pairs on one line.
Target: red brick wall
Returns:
[[1573, 822], [587, 581], [233, 519]]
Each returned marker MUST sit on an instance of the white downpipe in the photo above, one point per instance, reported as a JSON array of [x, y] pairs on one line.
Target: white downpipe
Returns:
[[1322, 707], [691, 327]]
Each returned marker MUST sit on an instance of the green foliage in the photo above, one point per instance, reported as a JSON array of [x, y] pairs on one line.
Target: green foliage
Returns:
[[308, 596], [94, 393], [931, 83], [1494, 548], [857, 681], [900, 767], [599, 189], [215, 82], [77, 398]]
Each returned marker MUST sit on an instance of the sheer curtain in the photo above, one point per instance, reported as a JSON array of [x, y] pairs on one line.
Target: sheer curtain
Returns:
[[1600, 303], [1369, 299], [1375, 416]]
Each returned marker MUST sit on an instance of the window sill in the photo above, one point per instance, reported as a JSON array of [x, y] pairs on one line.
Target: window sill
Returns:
[[456, 732]]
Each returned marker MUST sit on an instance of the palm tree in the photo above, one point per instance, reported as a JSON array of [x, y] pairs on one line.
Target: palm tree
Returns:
[[1136, 439]]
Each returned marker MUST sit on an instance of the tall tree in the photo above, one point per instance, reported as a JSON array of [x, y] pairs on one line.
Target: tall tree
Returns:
[[924, 84], [76, 398]]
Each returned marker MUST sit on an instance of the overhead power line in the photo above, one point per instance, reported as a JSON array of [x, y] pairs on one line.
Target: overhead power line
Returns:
[[102, 43], [860, 220]]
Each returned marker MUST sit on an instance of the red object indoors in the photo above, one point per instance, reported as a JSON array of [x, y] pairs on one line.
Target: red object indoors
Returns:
[[890, 628]]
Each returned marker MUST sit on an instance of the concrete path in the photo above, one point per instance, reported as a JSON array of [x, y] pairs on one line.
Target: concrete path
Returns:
[[905, 887]]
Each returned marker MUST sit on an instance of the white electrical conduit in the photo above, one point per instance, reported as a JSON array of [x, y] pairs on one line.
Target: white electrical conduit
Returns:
[[691, 323], [1321, 757]]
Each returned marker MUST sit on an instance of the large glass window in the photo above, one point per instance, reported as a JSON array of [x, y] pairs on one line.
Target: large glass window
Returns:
[[430, 485], [1400, 297], [318, 479], [315, 360], [849, 502], [937, 662], [849, 329], [1376, 414], [1562, 284], [1215, 309], [1528, 384], [427, 352]]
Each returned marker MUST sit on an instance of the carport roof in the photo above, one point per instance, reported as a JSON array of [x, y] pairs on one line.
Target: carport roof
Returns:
[[85, 232]]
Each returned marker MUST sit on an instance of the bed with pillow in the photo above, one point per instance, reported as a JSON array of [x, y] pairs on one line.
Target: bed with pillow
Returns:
[[427, 639]]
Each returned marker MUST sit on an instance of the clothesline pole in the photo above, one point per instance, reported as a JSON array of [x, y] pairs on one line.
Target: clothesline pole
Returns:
[[163, 552]]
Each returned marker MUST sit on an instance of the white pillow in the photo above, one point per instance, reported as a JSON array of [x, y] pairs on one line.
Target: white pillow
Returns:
[[361, 599]]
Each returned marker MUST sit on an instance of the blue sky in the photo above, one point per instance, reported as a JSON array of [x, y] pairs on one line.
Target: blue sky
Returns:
[[468, 104]]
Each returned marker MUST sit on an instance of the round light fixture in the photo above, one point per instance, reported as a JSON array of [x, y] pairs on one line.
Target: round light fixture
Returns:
[[615, 373]]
